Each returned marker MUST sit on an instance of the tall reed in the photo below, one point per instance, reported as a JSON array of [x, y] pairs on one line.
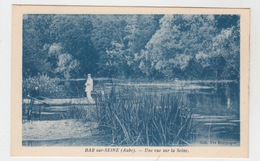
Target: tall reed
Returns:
[[129, 117]]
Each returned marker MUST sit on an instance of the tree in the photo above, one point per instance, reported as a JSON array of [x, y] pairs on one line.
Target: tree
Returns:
[[74, 33], [34, 37], [151, 46], [119, 39], [67, 66], [182, 39]]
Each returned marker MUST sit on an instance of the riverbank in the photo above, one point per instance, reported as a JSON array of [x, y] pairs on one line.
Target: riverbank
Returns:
[[58, 129]]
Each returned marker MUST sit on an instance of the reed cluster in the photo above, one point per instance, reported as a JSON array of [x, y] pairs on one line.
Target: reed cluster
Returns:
[[128, 117]]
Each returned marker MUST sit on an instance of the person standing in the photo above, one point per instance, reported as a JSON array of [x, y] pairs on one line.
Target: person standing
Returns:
[[89, 88], [33, 95]]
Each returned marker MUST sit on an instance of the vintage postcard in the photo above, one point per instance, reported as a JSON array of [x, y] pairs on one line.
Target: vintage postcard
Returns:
[[130, 81]]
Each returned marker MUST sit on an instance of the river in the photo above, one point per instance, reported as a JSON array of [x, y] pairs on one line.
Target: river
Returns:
[[216, 104]]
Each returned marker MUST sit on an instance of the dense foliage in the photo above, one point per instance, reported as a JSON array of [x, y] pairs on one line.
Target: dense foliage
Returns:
[[49, 87], [132, 46]]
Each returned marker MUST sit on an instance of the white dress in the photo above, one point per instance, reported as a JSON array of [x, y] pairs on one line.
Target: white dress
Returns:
[[89, 88], [89, 85]]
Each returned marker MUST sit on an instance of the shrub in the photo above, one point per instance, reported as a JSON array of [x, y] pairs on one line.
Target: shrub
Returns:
[[48, 87]]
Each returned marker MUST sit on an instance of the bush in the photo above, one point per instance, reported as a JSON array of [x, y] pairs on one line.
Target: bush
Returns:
[[48, 87]]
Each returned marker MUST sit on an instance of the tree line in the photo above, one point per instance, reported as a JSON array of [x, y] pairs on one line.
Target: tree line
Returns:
[[132, 46]]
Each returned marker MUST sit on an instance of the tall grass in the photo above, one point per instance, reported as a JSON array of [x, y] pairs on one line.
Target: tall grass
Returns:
[[129, 117], [80, 112]]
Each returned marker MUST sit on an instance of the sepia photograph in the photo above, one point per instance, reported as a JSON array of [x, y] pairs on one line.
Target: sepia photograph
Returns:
[[159, 80]]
